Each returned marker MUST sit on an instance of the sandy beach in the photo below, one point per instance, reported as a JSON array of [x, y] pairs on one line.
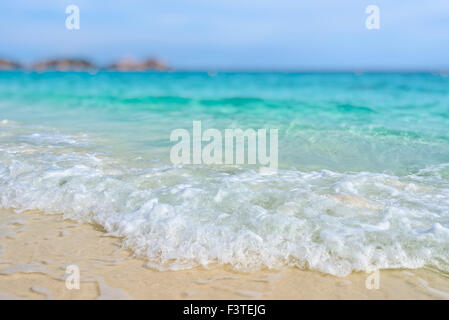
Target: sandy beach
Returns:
[[35, 250]]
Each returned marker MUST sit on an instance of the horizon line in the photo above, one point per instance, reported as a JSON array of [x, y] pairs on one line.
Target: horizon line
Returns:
[[238, 70]]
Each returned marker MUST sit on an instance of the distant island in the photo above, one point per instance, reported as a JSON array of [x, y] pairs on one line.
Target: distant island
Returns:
[[80, 65], [9, 65], [63, 65], [135, 65]]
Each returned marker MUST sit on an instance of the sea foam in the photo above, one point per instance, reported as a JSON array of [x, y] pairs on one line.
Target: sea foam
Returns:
[[185, 216]]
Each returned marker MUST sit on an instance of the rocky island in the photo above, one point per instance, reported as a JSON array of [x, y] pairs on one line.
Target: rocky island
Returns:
[[83, 65], [125, 65], [63, 65], [9, 65]]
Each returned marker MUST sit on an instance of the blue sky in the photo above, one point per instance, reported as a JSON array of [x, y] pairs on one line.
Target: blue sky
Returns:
[[234, 34]]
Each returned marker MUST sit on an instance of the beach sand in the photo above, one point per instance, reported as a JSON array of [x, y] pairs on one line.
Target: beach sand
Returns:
[[35, 250]]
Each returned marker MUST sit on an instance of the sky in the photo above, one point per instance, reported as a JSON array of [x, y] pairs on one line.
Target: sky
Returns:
[[297, 35]]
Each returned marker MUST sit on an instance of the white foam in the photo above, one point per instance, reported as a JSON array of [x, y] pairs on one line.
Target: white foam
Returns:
[[24, 268], [42, 291], [4, 296], [182, 217], [109, 293], [440, 293], [217, 278]]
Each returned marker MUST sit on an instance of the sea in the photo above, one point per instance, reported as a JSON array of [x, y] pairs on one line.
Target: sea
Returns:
[[362, 180]]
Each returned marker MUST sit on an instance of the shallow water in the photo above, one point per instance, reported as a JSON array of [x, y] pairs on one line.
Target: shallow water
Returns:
[[363, 179]]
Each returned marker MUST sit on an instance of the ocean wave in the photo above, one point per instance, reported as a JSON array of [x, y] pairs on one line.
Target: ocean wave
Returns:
[[185, 216]]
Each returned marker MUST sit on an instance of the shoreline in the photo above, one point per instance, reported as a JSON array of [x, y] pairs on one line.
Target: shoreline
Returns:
[[35, 250]]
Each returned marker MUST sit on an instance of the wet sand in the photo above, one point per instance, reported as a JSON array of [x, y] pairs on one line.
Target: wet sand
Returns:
[[35, 250]]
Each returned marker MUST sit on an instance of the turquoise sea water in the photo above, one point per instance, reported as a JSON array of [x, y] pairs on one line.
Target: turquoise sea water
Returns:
[[363, 179]]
